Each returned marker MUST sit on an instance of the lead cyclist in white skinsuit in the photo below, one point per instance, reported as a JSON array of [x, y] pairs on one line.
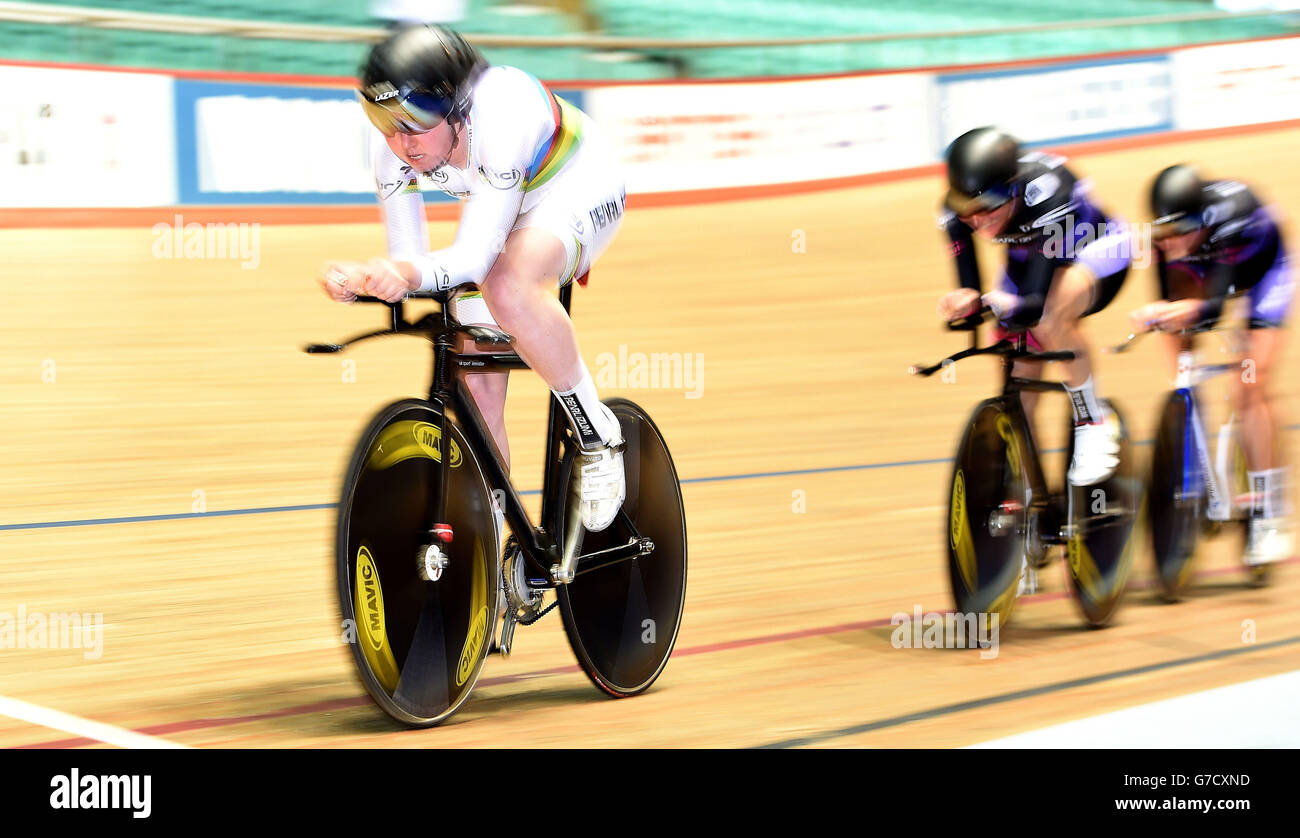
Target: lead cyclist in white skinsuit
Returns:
[[543, 198]]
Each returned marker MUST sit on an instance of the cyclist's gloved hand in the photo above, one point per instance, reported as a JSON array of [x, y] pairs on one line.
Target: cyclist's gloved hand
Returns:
[[1147, 317], [1002, 303], [343, 281], [1181, 314], [387, 282], [959, 303]]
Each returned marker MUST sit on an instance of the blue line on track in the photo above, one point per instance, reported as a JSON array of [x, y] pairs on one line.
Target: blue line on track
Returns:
[[140, 519]]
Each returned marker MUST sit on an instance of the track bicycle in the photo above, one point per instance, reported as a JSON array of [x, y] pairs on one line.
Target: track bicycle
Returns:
[[420, 572], [1197, 486], [1002, 518]]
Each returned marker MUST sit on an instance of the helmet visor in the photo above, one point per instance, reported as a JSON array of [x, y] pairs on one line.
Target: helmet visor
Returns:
[[1177, 224], [965, 204], [405, 111]]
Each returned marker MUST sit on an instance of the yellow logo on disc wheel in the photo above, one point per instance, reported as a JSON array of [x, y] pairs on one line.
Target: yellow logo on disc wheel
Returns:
[[368, 610], [1083, 566], [959, 537], [1008, 435], [478, 624], [407, 439]]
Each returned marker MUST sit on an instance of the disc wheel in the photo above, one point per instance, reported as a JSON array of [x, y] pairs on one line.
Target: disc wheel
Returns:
[[1176, 507], [1102, 520], [419, 646], [622, 619], [987, 503]]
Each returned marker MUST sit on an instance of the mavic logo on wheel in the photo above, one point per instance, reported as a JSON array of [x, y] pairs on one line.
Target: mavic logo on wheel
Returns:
[[407, 439], [958, 509], [477, 631], [368, 605], [1013, 448], [1083, 566], [959, 537], [429, 436]]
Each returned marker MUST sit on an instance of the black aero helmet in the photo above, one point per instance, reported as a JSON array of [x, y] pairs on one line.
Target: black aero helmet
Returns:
[[982, 164], [1177, 202], [417, 77]]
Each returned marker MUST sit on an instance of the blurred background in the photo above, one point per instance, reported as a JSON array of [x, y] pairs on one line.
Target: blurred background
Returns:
[[173, 176], [552, 38]]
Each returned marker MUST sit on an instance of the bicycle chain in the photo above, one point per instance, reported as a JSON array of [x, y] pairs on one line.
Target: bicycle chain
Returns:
[[540, 614]]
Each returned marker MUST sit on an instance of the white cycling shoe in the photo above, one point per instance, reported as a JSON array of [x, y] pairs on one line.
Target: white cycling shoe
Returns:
[[1269, 541], [1096, 451], [599, 475]]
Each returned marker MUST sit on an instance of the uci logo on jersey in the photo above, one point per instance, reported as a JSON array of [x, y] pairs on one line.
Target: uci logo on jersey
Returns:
[[1041, 188]]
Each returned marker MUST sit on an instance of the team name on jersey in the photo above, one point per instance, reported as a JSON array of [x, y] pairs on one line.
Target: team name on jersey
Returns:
[[603, 214]]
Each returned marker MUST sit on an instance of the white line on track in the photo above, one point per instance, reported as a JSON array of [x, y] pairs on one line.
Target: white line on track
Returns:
[[68, 723], [1263, 713]]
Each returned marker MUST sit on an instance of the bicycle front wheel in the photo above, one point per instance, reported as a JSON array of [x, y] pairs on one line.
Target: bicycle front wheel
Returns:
[[987, 512], [419, 646], [622, 619], [1176, 507]]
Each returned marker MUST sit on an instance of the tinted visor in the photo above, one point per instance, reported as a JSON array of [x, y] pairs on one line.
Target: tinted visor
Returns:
[[967, 205], [405, 111], [1174, 225]]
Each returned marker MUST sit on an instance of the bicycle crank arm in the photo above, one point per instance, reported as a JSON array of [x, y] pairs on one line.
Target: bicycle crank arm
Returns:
[[564, 572], [634, 549], [507, 634]]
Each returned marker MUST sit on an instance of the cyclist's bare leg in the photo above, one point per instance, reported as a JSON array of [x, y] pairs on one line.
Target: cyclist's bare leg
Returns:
[[520, 293], [1028, 398], [1059, 329], [1181, 286], [1096, 444], [1251, 397], [488, 390]]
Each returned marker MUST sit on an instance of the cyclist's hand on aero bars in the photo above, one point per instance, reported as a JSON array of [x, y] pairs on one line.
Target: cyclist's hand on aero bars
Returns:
[[958, 303], [343, 281], [1147, 317], [1180, 314], [387, 282], [1003, 303], [1166, 315]]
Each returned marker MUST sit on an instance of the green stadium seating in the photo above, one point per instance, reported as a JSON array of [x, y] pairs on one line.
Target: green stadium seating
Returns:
[[685, 19]]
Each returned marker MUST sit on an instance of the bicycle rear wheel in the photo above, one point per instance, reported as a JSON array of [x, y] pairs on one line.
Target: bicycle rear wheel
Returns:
[[1176, 508], [622, 619], [419, 646], [987, 512], [1102, 520]]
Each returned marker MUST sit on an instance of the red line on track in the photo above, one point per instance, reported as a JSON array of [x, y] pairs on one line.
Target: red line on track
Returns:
[[707, 648]]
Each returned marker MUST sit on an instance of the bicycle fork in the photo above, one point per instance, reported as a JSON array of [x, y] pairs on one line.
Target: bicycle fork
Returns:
[[1214, 475]]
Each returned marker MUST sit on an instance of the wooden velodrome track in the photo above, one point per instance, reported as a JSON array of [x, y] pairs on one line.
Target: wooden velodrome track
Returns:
[[179, 377]]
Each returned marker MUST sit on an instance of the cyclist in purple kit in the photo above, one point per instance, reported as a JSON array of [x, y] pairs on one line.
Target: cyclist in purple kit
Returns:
[[1214, 239], [1065, 260]]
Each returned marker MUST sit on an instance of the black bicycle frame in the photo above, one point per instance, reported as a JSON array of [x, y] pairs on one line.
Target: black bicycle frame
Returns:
[[1012, 386], [541, 547]]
